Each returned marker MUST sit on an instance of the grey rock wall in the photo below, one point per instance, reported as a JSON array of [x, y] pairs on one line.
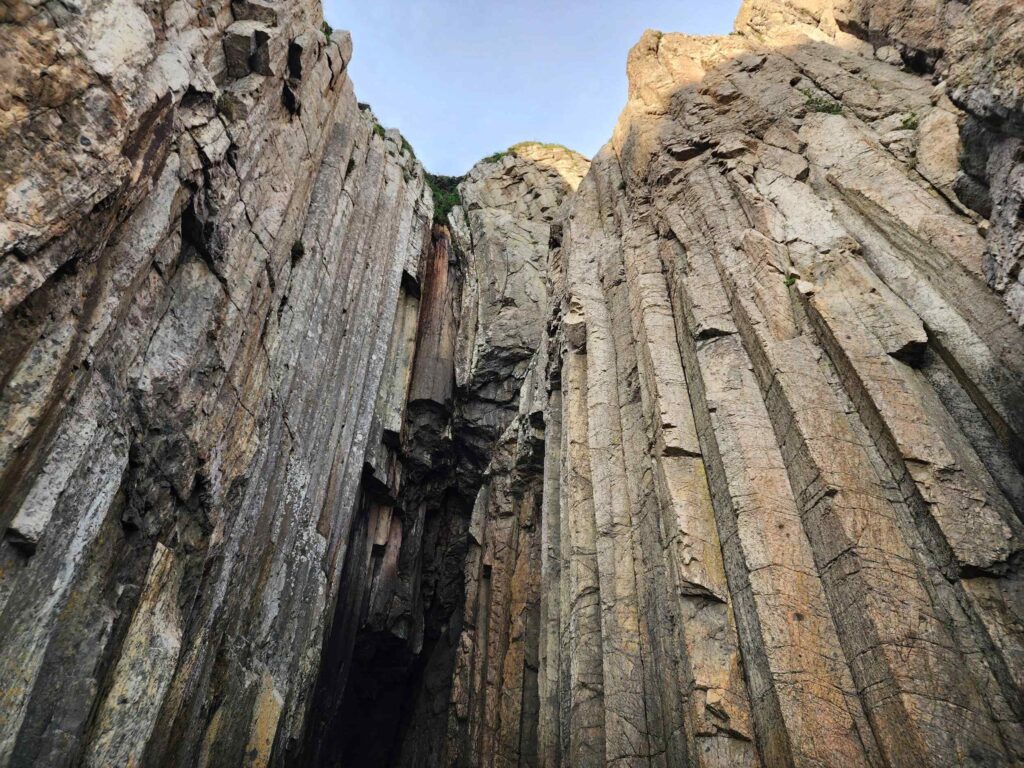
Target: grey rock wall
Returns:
[[706, 452], [204, 247], [483, 304], [973, 50]]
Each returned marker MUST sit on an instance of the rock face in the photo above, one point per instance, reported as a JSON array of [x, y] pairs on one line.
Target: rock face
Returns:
[[383, 693], [206, 244], [974, 49], [707, 452], [762, 502]]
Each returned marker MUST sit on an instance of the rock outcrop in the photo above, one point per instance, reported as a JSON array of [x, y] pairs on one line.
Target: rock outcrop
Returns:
[[762, 503], [706, 452], [974, 51], [767, 511], [205, 244]]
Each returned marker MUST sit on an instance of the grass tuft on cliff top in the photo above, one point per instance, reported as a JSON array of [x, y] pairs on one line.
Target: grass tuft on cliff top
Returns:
[[543, 145], [445, 190]]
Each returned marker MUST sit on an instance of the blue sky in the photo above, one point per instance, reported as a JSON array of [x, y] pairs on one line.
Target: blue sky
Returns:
[[465, 78]]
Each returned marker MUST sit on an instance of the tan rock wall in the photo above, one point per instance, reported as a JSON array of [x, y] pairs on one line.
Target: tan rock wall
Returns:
[[707, 452], [973, 50], [780, 496]]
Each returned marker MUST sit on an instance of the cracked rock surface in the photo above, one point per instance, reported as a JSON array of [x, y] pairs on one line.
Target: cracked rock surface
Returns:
[[204, 243], [762, 502], [706, 452]]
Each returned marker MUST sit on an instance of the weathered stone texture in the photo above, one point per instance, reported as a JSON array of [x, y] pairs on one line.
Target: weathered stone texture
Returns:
[[203, 246], [504, 228], [396, 656], [708, 452], [777, 512], [972, 51]]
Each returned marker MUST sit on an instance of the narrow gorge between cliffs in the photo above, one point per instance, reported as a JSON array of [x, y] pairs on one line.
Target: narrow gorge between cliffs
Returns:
[[706, 451]]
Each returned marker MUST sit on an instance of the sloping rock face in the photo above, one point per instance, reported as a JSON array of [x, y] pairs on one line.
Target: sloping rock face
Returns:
[[707, 452], [510, 209], [974, 49], [206, 244], [762, 502]]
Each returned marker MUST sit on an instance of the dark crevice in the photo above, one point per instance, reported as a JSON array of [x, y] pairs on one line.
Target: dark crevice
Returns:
[[384, 686], [290, 100], [294, 61]]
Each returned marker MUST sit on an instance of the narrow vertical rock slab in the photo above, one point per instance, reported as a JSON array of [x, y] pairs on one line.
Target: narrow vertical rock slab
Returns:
[[148, 657]]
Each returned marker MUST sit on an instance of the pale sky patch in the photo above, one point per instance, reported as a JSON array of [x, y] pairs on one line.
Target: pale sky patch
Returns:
[[463, 79]]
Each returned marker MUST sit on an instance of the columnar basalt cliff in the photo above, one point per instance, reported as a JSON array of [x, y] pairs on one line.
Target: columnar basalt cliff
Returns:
[[384, 690], [762, 506], [706, 452], [206, 245]]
